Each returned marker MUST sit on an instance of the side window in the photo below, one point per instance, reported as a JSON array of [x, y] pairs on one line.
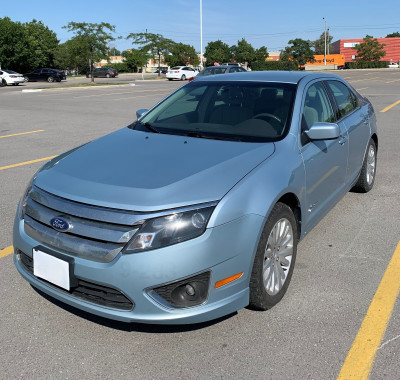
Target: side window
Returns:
[[317, 108], [344, 97]]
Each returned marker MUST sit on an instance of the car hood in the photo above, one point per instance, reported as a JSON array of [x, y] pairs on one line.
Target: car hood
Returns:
[[141, 171]]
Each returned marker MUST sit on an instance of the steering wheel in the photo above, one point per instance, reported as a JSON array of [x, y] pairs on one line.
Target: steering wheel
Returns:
[[263, 116]]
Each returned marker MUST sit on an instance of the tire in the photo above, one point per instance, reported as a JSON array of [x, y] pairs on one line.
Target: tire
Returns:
[[2, 83], [50, 79], [107, 75], [183, 77], [366, 179], [169, 78], [26, 79], [276, 254], [87, 75]]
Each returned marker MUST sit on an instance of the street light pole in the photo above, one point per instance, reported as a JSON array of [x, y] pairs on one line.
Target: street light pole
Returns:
[[325, 42], [201, 34]]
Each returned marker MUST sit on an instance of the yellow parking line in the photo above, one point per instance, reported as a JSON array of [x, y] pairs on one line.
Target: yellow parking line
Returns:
[[26, 163], [389, 107], [114, 93], [142, 96], [6, 251], [22, 133], [391, 81], [361, 356], [363, 80]]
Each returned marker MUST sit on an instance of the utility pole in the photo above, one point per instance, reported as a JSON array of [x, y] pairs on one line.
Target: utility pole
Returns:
[[327, 44], [201, 34], [325, 41]]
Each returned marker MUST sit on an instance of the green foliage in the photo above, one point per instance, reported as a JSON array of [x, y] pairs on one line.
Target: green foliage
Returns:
[[134, 59], [299, 52], [121, 67], [319, 44], [25, 47], [154, 44], [243, 52], [181, 55], [370, 50], [72, 55], [395, 34], [91, 39], [217, 51], [360, 64], [275, 65]]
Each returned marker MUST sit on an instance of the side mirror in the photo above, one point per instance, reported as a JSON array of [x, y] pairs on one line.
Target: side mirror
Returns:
[[323, 131], [141, 112]]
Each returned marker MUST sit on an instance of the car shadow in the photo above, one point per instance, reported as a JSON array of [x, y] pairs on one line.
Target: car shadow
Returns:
[[132, 327]]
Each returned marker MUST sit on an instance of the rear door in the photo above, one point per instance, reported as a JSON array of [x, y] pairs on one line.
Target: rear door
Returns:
[[355, 116], [325, 161]]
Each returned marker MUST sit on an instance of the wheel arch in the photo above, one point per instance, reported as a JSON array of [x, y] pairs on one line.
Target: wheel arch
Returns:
[[375, 138], [291, 200]]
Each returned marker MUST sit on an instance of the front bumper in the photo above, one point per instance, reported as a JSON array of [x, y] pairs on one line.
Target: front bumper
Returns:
[[223, 251]]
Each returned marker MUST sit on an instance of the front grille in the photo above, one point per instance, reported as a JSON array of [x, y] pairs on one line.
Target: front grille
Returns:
[[97, 234], [87, 291]]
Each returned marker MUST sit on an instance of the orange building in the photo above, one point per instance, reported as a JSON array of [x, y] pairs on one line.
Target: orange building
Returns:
[[346, 47]]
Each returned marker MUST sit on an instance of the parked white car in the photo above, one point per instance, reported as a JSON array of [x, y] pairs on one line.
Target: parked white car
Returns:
[[393, 65], [11, 77], [181, 73]]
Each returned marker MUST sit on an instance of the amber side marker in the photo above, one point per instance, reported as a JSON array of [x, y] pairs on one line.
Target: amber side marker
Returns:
[[227, 280]]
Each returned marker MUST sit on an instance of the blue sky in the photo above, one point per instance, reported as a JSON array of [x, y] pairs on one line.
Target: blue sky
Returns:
[[268, 23]]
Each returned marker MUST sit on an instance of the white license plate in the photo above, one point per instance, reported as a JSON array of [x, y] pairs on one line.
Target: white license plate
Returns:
[[51, 269]]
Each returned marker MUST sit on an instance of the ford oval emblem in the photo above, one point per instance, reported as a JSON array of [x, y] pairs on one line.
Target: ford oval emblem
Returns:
[[60, 224]]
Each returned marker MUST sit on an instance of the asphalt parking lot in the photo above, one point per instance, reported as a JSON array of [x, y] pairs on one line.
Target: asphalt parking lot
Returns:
[[310, 334]]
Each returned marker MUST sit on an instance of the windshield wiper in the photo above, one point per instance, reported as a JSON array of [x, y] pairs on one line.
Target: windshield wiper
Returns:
[[199, 135], [149, 127]]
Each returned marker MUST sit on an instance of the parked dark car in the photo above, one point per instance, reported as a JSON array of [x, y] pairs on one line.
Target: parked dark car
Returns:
[[49, 75], [103, 72]]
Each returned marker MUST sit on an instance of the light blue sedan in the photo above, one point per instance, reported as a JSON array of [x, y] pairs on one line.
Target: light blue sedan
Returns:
[[195, 210]]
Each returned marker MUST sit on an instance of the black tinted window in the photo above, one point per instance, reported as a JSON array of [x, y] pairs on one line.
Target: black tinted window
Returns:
[[344, 97]]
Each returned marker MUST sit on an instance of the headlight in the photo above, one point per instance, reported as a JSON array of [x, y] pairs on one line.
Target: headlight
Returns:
[[169, 229], [24, 199]]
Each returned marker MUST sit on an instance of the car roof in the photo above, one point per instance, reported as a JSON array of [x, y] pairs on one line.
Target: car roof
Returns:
[[267, 76]]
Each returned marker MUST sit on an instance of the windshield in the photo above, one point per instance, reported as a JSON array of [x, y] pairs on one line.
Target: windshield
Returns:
[[241, 111], [10, 72]]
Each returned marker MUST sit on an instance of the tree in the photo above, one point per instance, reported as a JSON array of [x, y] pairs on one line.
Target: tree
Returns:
[[395, 34], [72, 55], [182, 55], [217, 51], [93, 38], [155, 44], [319, 44], [300, 52], [134, 59], [28, 46], [261, 54], [370, 50], [41, 42], [243, 52]]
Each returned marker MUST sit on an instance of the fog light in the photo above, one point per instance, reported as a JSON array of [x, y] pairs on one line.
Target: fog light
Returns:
[[189, 292]]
